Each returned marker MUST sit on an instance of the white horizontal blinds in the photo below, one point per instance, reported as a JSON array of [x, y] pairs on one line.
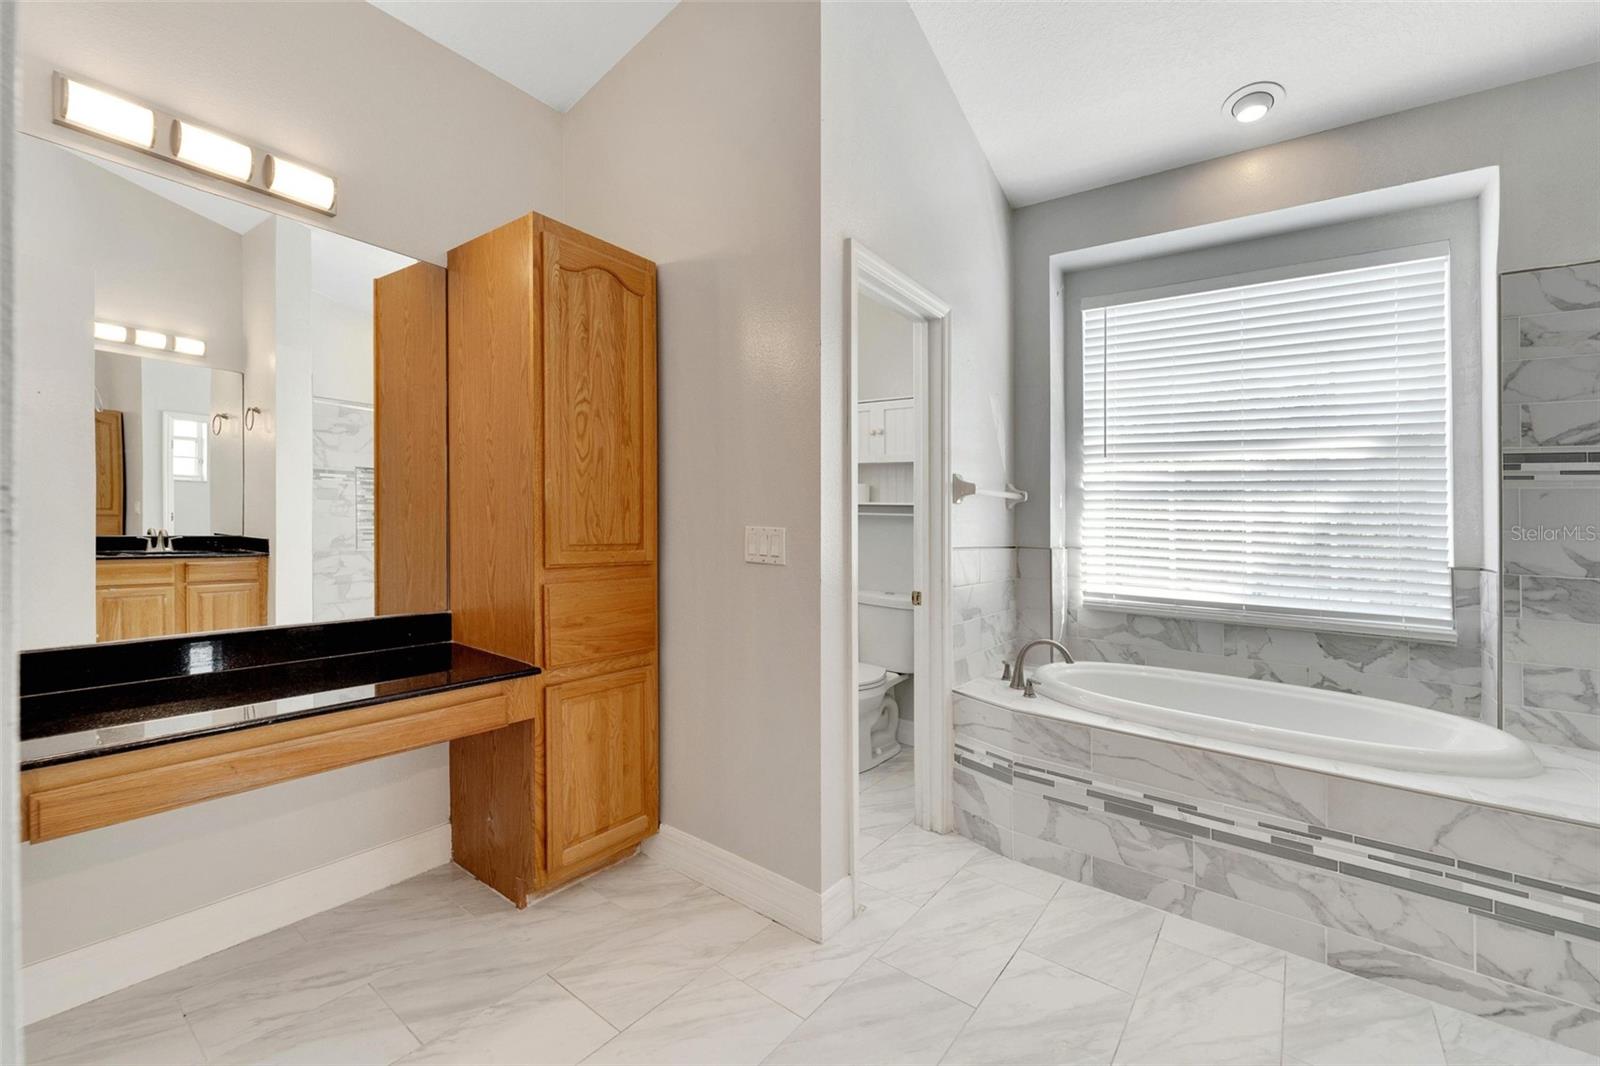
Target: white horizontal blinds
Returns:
[[1274, 450]]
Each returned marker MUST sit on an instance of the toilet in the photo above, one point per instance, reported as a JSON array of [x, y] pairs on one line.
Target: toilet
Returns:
[[886, 658]]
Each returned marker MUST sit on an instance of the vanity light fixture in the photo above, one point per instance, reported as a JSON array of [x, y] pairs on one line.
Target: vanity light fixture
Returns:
[[300, 184], [210, 151], [103, 113], [1251, 103], [154, 339]]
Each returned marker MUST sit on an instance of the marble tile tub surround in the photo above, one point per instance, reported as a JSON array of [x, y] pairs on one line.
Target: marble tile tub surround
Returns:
[[1550, 503], [1003, 963], [1488, 910], [1454, 678], [985, 613]]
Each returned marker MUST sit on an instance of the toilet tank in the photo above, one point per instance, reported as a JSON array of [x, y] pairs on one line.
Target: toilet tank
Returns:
[[885, 624]]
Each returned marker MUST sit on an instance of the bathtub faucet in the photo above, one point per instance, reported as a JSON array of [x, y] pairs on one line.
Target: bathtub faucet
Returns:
[[1014, 670]]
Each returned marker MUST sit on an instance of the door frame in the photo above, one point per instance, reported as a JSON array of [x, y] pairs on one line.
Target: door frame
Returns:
[[933, 729]]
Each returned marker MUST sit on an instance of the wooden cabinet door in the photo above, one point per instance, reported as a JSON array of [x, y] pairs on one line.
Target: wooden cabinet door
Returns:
[[600, 758], [135, 600], [224, 594], [109, 474], [222, 605], [599, 402]]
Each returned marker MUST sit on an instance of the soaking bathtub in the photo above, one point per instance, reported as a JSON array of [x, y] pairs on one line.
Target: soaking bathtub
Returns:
[[1279, 717]]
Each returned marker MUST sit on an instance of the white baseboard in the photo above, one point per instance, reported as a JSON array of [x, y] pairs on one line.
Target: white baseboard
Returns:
[[789, 903], [53, 985]]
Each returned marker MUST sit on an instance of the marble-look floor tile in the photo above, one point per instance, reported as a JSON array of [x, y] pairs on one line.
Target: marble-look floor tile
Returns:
[[134, 1027], [541, 1024], [887, 810], [963, 937], [1097, 934], [1039, 1012], [704, 919], [1223, 946], [879, 1015], [714, 1020], [623, 978], [1191, 1009], [356, 1028], [641, 883], [1014, 874], [798, 973], [437, 992], [914, 863], [568, 923], [1331, 1018]]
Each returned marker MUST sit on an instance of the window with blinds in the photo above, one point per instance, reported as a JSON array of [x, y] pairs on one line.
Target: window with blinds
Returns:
[[1274, 453]]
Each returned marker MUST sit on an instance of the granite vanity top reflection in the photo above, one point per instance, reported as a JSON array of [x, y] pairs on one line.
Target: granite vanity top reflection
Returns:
[[217, 546], [98, 699]]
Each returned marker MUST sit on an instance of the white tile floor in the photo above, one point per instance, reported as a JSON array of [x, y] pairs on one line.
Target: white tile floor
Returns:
[[959, 956]]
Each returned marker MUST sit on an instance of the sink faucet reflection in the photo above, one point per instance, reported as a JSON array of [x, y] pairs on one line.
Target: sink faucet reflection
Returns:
[[1013, 671]]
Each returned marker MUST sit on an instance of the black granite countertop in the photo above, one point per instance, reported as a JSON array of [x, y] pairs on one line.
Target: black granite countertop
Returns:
[[80, 702], [210, 546]]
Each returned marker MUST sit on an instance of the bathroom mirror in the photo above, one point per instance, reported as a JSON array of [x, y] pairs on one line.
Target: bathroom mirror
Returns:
[[227, 356], [168, 446]]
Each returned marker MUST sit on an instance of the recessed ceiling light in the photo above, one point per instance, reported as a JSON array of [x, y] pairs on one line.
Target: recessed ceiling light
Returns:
[[1251, 103]]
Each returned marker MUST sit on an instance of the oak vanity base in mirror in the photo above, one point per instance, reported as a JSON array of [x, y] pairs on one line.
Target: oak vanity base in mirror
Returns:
[[159, 597]]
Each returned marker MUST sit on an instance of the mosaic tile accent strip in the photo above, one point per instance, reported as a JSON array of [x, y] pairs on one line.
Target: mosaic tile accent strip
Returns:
[[1476, 903]]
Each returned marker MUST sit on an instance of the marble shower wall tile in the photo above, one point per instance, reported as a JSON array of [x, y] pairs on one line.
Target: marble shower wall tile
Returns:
[[1540, 726]]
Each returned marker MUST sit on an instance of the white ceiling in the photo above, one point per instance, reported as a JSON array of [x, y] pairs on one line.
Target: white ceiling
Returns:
[[1072, 96], [553, 50]]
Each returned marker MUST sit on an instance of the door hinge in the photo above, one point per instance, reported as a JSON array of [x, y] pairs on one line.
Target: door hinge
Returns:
[[916, 599]]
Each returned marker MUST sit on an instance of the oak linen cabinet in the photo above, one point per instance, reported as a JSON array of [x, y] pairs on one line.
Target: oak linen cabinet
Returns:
[[552, 533]]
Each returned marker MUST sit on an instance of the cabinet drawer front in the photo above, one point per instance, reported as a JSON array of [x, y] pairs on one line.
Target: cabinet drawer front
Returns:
[[205, 570], [599, 618], [120, 573], [600, 737]]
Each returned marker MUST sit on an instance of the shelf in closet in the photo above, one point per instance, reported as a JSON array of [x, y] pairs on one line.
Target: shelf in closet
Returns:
[[877, 507]]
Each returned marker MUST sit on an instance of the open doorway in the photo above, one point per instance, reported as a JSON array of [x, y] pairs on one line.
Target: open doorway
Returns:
[[900, 719]]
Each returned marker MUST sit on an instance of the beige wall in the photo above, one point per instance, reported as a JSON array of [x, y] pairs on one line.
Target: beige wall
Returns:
[[902, 172], [700, 151], [430, 151]]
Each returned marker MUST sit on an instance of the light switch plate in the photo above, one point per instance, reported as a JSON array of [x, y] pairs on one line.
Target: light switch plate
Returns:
[[767, 545]]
